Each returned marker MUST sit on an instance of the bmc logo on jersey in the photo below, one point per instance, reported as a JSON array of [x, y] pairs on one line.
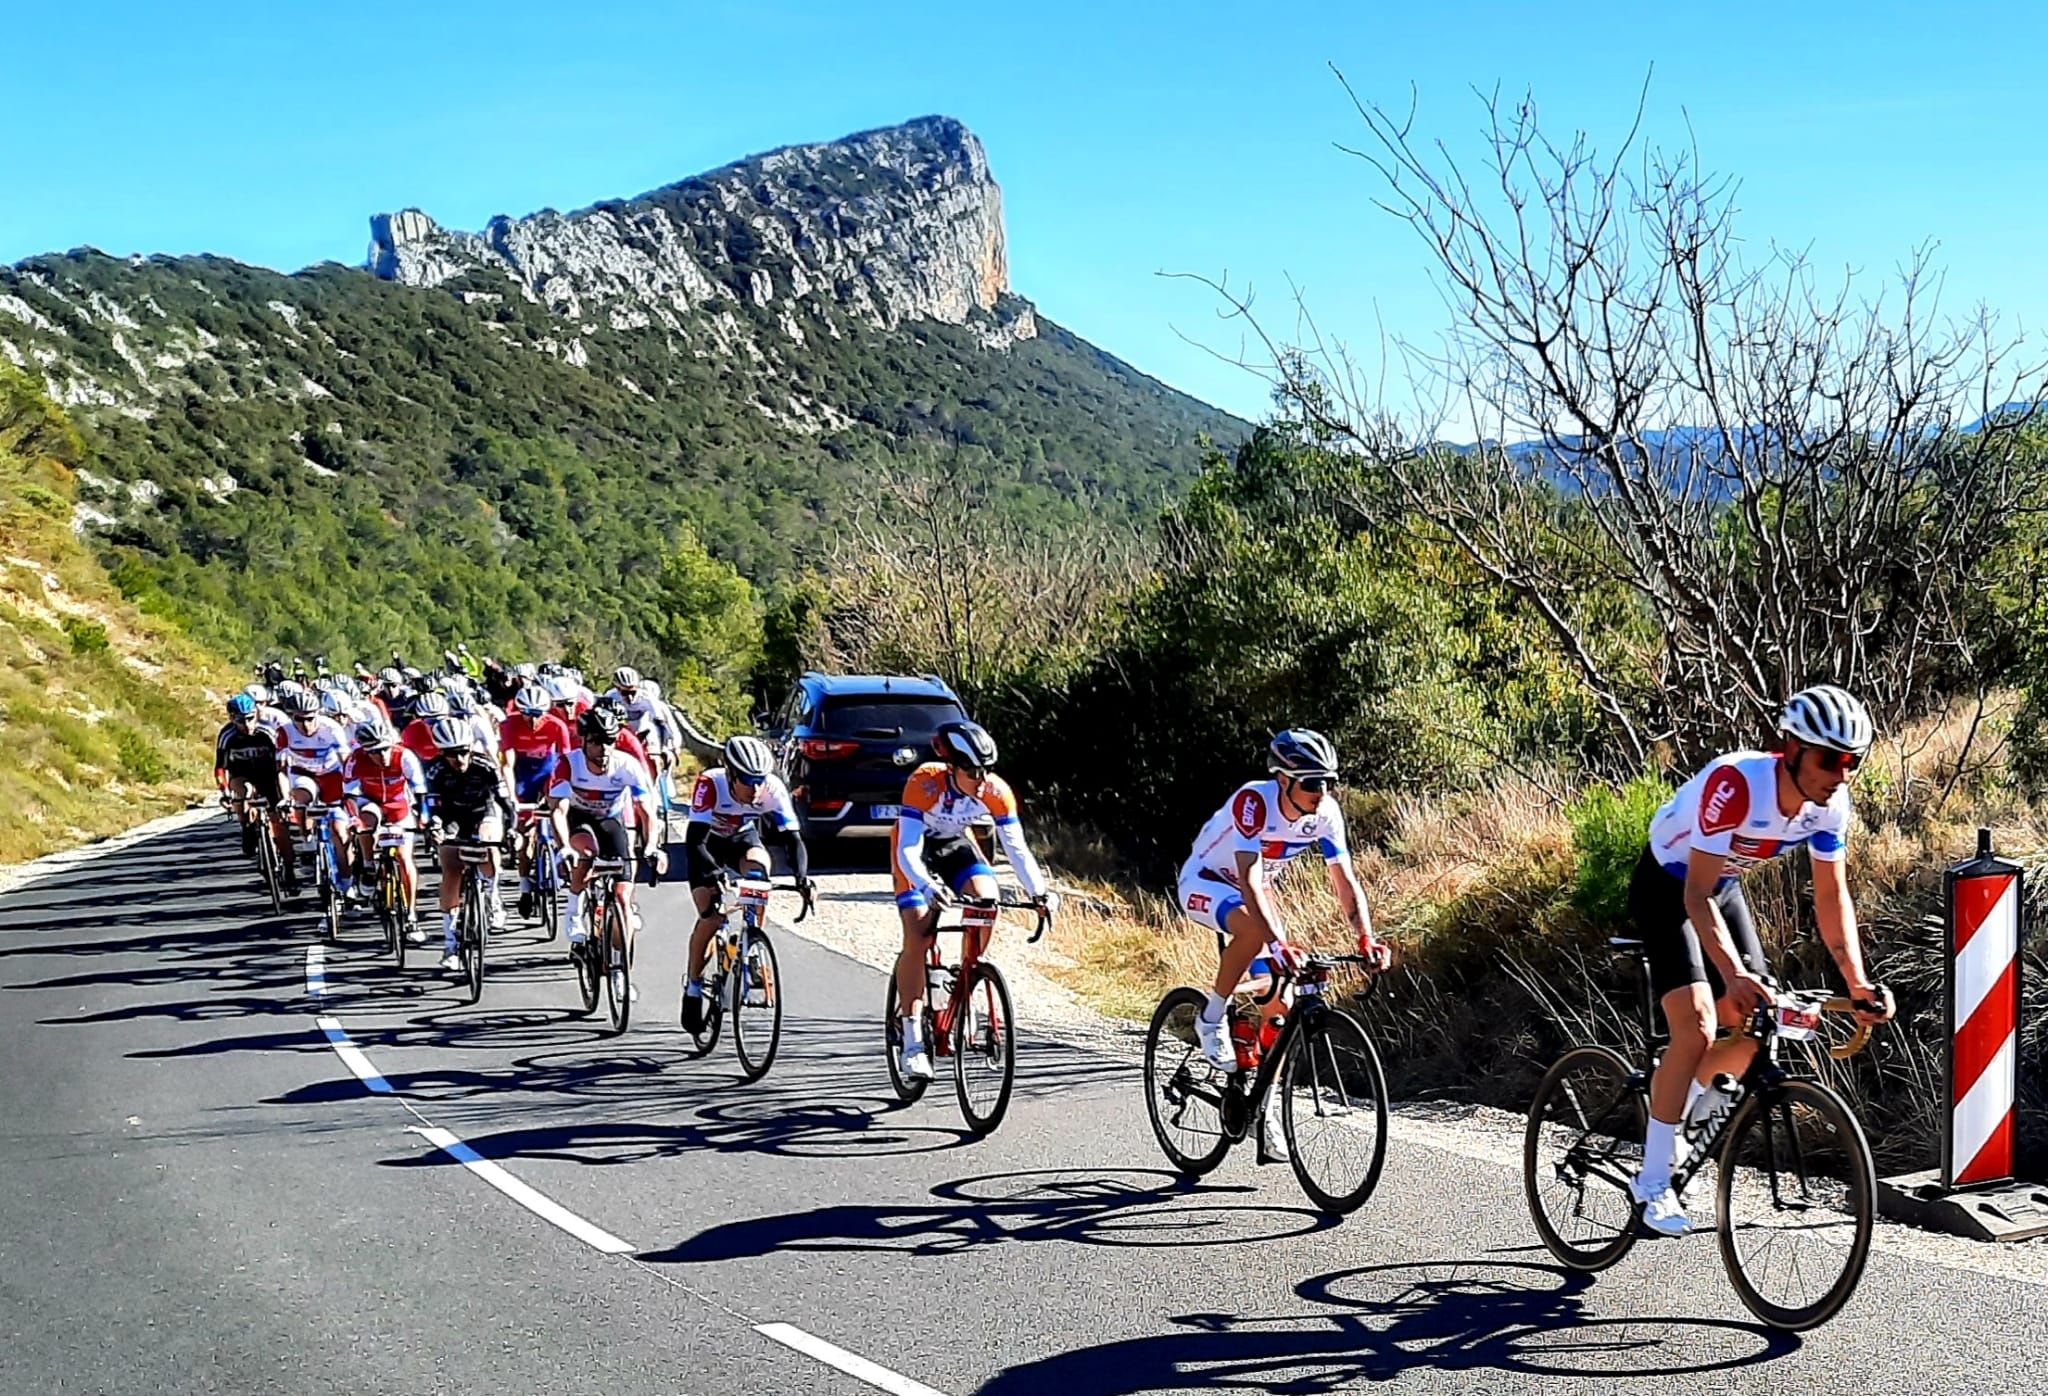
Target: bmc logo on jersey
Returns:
[[1249, 812], [1724, 804], [705, 795], [1198, 901]]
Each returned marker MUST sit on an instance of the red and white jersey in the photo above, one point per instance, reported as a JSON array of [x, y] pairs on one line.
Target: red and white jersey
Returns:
[[389, 784], [1252, 822], [316, 753], [1731, 808], [713, 803], [608, 794]]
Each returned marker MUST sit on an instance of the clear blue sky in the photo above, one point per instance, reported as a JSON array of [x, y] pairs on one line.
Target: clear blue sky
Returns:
[[1129, 138]]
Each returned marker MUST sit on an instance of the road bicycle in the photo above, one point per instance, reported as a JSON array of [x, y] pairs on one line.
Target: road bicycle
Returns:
[[319, 844], [472, 917], [972, 1024], [395, 909], [741, 978], [1332, 1096], [542, 857], [1795, 1192], [603, 966], [271, 863]]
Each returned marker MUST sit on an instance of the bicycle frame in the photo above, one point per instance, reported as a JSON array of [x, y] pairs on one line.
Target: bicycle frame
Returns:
[[1306, 1007]]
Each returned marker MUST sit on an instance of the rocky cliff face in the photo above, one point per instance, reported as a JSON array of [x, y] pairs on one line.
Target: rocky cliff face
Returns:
[[900, 224]]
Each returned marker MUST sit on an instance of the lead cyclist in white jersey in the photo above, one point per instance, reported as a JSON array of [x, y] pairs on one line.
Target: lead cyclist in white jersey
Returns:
[[1706, 964], [1226, 883]]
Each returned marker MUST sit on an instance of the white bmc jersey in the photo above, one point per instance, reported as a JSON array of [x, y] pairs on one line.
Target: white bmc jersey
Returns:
[[315, 753], [713, 803], [1252, 823], [646, 714], [607, 794], [1731, 808]]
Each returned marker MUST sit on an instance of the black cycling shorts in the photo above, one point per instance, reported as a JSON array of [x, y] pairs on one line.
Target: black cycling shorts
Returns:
[[955, 861], [1656, 903], [613, 838], [486, 825], [263, 781], [721, 852]]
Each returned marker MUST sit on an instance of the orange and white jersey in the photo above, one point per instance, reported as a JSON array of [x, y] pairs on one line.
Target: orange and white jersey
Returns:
[[932, 806]]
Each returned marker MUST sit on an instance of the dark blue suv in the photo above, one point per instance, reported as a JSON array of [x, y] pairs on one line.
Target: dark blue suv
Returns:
[[848, 742]]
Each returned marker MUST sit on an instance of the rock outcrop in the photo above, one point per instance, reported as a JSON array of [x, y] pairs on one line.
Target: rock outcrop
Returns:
[[894, 225]]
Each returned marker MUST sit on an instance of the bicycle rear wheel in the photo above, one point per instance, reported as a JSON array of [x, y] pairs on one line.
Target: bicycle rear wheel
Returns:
[[589, 962], [1333, 1110], [1583, 1144], [1797, 1198], [984, 1050], [618, 978], [756, 1005], [908, 1088], [469, 934], [273, 873], [1183, 1089], [330, 894]]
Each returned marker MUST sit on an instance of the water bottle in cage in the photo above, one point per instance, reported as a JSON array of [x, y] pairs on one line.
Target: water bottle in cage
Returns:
[[1716, 1103], [1244, 1035]]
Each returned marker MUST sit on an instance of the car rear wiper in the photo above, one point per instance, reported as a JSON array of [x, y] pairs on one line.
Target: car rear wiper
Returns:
[[878, 731]]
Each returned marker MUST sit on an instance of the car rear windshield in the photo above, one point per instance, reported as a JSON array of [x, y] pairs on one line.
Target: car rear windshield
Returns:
[[887, 717]]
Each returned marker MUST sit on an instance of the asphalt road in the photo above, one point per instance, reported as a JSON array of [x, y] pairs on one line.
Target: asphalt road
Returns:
[[203, 1197]]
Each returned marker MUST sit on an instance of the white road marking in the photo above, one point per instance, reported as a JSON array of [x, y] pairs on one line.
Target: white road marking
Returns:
[[541, 1205], [352, 1057], [316, 972], [853, 1364]]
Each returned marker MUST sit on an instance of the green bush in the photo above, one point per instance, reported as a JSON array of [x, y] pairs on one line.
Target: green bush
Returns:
[[140, 760], [1608, 830], [87, 636]]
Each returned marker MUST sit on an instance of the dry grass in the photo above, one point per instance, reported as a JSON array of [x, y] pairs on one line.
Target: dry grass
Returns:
[[1498, 972]]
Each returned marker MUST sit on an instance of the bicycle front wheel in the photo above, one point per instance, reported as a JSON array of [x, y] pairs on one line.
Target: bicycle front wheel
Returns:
[[547, 890], [1183, 1090], [273, 873], [756, 1005], [330, 894], [1583, 1145], [1797, 1198], [618, 964], [469, 941], [984, 1050], [1333, 1110]]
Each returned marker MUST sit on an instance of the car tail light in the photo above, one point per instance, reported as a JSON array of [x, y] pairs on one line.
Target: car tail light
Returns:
[[826, 749], [827, 807]]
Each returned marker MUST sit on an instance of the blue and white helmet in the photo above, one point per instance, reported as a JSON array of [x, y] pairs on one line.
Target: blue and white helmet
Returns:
[[1830, 717], [1300, 752]]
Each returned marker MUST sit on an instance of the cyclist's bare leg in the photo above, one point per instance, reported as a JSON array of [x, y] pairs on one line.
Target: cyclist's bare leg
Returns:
[[982, 887], [917, 935], [706, 927], [1239, 951], [1693, 1055]]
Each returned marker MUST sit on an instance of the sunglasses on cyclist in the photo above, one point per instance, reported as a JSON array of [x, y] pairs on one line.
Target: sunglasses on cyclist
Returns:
[[1839, 762], [1315, 785]]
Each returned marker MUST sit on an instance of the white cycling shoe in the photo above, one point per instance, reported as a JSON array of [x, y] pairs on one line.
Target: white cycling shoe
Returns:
[[917, 1064], [451, 964], [1216, 1043], [1663, 1213]]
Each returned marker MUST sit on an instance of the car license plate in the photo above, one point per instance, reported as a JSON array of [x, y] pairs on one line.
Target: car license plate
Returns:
[[885, 811]]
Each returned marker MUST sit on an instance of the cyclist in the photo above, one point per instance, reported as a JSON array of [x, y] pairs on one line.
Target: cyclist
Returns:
[[313, 747], [531, 740], [245, 765], [462, 706], [417, 736], [469, 801], [734, 810], [1685, 898], [1227, 882], [934, 857], [593, 801], [384, 784]]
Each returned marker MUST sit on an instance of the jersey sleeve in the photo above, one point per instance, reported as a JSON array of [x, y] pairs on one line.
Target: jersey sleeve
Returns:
[[781, 809], [1002, 807], [920, 793], [1332, 842], [1828, 841], [558, 785], [415, 774], [703, 799], [1724, 805]]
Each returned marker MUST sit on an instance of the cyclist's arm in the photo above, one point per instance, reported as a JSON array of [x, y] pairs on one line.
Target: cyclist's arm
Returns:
[[793, 842], [910, 852], [1836, 912], [1350, 897], [1703, 873], [1010, 833], [1258, 898], [415, 774]]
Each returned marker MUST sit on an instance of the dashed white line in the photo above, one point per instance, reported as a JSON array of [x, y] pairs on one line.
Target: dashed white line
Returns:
[[851, 1363], [541, 1205], [316, 972], [352, 1057]]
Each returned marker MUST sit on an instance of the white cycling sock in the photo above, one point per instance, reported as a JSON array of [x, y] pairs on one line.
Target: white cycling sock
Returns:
[[1214, 1012], [575, 909], [1657, 1146], [912, 1035]]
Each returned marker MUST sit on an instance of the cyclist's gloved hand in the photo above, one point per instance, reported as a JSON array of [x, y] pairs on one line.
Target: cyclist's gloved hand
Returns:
[[1376, 950], [939, 897], [1048, 902]]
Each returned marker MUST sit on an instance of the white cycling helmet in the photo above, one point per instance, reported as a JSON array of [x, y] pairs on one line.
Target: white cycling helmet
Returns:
[[626, 677], [1830, 717], [748, 758]]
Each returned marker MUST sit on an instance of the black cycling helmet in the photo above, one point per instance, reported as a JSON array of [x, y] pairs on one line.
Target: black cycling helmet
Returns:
[[273, 673], [965, 744], [598, 725], [1299, 752]]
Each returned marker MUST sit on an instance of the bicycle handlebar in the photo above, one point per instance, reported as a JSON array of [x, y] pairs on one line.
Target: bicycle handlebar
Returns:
[[1001, 904], [1764, 1020], [727, 880]]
